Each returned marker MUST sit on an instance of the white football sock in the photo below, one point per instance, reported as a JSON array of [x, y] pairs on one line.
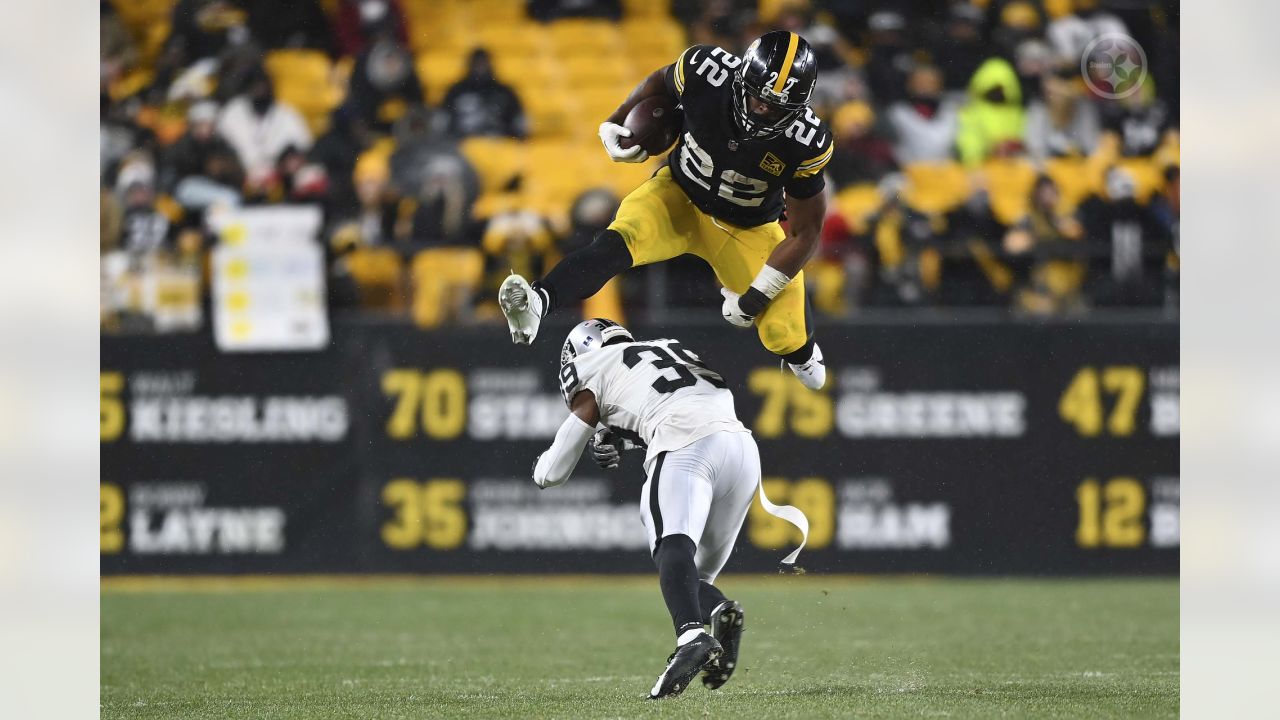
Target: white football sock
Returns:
[[688, 635]]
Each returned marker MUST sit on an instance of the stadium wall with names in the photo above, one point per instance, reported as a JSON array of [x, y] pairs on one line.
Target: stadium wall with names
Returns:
[[1016, 448]]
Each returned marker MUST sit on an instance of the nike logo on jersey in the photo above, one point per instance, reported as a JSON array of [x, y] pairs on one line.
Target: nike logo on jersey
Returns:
[[694, 60], [822, 141]]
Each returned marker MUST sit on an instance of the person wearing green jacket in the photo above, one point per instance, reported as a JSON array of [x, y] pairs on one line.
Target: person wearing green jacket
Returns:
[[993, 119]]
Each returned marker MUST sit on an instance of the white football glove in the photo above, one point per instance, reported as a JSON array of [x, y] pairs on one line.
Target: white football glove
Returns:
[[732, 312], [609, 134]]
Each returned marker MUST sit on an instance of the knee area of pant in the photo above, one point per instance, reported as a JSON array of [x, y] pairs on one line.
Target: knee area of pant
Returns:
[[779, 337], [678, 544]]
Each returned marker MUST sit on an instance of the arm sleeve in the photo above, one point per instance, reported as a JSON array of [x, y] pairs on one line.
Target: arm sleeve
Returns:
[[555, 465]]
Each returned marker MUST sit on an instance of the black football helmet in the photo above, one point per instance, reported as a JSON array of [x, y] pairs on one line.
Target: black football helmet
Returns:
[[778, 69]]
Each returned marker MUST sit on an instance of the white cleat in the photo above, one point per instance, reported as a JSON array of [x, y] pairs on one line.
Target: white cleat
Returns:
[[522, 306], [812, 373]]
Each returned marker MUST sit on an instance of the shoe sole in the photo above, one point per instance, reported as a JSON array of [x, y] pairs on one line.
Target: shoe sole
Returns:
[[682, 683], [508, 306], [731, 620]]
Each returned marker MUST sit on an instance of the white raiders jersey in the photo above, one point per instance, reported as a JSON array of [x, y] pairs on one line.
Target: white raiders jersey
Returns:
[[655, 394]]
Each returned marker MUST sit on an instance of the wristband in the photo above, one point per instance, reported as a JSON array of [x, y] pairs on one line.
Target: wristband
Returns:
[[752, 302], [769, 281]]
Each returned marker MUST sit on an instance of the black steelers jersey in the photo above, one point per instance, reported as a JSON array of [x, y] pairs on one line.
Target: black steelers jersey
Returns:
[[731, 178]]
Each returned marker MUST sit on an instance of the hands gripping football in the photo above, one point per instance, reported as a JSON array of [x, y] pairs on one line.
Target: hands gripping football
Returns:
[[610, 133]]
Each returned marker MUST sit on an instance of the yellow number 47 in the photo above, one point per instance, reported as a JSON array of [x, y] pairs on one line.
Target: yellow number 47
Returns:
[[1081, 403]]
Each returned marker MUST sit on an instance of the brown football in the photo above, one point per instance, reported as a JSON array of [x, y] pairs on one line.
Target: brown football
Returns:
[[655, 123]]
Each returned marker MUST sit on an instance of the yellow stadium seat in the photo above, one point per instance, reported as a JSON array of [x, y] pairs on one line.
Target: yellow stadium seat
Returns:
[[598, 102], [1147, 177], [498, 161], [936, 187], [857, 203], [1009, 184], [532, 73], [552, 112], [450, 32], [444, 279], [556, 169], [305, 80], [646, 8], [437, 72], [139, 14], [505, 11], [663, 36], [379, 274], [612, 72], [1074, 179], [519, 39], [598, 38]]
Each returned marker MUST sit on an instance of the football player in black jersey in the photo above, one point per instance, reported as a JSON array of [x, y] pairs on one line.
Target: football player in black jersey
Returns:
[[749, 136]]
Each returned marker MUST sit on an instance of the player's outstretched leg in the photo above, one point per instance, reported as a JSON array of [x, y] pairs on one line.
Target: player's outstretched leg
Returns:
[[578, 276], [695, 649], [727, 623]]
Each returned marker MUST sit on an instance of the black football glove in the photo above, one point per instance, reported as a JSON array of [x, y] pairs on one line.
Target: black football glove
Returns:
[[606, 448]]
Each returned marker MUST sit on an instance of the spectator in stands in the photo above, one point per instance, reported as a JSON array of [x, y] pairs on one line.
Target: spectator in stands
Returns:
[[480, 104], [1046, 252], [379, 220], [1140, 123], [260, 129], [1128, 245], [862, 154], [356, 23], [293, 24], [188, 155], [119, 133], [1065, 122], [963, 47], [518, 242], [200, 32], [1070, 34], [924, 122], [202, 168], [547, 10], [336, 151], [118, 54], [890, 56], [297, 179], [384, 83], [1016, 22], [1032, 60], [716, 22], [430, 172], [143, 228], [992, 123]]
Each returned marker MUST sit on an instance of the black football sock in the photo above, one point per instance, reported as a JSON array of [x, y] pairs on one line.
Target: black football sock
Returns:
[[801, 356], [583, 272], [678, 577], [710, 597]]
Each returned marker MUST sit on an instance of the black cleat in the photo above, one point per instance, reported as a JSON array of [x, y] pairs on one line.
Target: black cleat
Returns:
[[684, 664], [727, 626]]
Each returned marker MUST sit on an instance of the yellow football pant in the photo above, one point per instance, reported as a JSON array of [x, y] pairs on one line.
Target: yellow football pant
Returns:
[[658, 222]]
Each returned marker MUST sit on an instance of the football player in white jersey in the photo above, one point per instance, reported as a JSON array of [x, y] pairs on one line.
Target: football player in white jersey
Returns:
[[702, 469]]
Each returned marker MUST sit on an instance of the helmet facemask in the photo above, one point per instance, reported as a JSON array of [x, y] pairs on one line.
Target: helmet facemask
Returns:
[[777, 119]]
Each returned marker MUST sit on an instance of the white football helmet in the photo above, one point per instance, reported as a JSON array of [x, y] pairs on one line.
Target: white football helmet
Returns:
[[590, 335]]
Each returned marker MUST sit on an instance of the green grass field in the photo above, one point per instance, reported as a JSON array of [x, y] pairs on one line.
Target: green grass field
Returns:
[[585, 647]]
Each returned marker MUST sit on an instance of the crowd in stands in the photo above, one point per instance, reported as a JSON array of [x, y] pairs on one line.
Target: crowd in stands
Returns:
[[451, 141]]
